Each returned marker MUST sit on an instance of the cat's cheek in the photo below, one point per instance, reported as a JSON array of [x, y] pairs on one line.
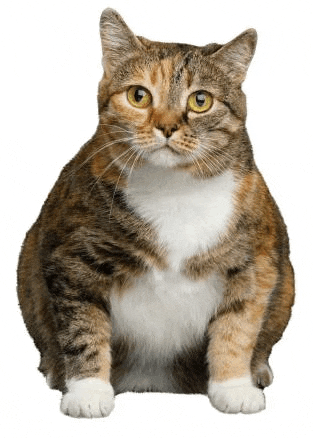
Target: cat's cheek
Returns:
[[236, 395], [88, 398]]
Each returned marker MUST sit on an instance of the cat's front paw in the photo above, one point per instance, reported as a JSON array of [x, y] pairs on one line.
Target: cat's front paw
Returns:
[[89, 398], [236, 395]]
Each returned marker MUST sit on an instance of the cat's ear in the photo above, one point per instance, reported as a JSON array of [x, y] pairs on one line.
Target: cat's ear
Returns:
[[118, 41], [234, 57]]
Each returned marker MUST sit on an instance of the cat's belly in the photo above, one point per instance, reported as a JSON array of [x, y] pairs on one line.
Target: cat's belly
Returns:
[[160, 316]]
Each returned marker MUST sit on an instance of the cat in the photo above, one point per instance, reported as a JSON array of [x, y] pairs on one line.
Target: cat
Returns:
[[160, 261]]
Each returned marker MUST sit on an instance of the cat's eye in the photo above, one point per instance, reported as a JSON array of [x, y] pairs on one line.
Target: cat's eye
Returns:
[[200, 101], [139, 97]]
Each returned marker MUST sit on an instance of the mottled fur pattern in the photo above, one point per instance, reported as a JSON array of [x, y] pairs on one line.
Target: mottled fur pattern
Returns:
[[124, 220]]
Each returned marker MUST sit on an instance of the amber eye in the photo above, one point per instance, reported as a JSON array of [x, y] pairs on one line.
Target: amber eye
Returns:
[[200, 101], [139, 97]]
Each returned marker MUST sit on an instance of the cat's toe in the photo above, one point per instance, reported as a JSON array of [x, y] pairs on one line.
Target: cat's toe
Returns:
[[89, 398], [237, 395]]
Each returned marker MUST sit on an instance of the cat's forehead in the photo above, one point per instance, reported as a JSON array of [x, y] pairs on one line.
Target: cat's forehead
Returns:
[[172, 69], [173, 61]]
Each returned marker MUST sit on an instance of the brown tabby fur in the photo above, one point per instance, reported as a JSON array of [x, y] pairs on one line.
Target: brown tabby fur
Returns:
[[87, 243]]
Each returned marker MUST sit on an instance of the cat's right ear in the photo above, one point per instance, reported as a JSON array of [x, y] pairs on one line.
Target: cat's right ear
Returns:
[[234, 57], [118, 41]]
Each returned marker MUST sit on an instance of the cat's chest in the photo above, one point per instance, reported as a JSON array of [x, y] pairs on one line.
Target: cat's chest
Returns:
[[189, 215]]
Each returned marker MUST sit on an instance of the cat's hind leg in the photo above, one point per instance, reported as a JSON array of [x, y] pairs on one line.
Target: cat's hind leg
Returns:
[[275, 322], [262, 375], [52, 367]]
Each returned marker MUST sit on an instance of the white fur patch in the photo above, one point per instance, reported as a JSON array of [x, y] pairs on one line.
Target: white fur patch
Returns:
[[236, 395], [49, 380], [164, 157], [190, 215], [90, 398], [163, 312]]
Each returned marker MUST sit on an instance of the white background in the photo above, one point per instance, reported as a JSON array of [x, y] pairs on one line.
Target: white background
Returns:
[[50, 68]]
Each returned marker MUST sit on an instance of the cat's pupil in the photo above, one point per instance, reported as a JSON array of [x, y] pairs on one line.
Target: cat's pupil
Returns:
[[139, 94], [200, 99]]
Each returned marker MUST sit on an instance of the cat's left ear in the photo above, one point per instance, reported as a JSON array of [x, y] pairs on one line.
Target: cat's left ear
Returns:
[[234, 57], [118, 41]]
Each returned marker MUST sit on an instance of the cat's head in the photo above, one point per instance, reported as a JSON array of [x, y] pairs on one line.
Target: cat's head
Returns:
[[174, 105]]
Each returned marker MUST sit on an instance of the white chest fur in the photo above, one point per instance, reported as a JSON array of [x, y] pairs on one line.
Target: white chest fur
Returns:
[[163, 312], [188, 214]]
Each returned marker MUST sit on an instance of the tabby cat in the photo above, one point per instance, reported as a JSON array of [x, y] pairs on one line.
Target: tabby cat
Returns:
[[160, 261]]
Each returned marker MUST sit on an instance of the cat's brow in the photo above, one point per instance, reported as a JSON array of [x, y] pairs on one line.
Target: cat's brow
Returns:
[[182, 66], [181, 79]]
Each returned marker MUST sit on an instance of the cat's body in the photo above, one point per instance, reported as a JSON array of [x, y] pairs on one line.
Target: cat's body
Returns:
[[160, 261], [164, 311]]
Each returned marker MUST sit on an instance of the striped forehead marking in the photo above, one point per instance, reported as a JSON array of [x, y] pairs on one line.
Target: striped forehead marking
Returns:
[[171, 78]]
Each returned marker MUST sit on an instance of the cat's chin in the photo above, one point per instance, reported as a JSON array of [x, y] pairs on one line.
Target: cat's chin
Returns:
[[165, 158]]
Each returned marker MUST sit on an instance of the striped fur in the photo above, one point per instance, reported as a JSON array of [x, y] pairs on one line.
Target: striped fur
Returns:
[[160, 261]]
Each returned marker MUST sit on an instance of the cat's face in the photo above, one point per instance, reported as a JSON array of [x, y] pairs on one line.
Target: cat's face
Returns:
[[173, 104], [171, 111]]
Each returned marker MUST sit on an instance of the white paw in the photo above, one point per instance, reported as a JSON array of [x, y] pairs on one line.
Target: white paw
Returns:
[[90, 398], [236, 395]]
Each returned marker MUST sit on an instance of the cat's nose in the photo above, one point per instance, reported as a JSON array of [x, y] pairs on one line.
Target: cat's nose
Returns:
[[167, 129]]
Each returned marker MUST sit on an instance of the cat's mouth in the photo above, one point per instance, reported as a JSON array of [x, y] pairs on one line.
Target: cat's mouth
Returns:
[[167, 147], [165, 156]]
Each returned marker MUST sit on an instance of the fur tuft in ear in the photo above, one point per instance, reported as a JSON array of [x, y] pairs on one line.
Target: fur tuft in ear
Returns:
[[118, 41], [234, 57]]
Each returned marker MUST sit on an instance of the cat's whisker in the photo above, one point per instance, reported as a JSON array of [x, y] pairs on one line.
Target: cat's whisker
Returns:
[[106, 134], [212, 159], [115, 126], [137, 159], [195, 162], [207, 166], [217, 161], [210, 166], [107, 167], [110, 113], [221, 156], [215, 149], [114, 132], [98, 151], [121, 172]]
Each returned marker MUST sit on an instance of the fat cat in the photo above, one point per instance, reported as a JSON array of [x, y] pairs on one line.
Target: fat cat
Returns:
[[160, 261]]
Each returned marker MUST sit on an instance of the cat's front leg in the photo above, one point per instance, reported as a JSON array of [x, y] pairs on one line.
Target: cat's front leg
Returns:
[[84, 332], [233, 336], [231, 389], [85, 343]]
